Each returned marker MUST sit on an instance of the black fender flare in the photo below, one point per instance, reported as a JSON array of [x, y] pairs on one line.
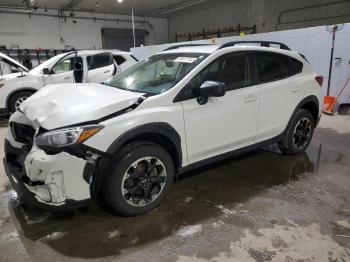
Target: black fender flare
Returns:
[[311, 98], [31, 89], [160, 128]]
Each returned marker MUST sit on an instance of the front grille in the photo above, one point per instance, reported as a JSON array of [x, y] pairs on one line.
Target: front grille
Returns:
[[22, 133]]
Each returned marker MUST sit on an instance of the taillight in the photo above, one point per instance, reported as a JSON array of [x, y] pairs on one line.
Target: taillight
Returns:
[[319, 80]]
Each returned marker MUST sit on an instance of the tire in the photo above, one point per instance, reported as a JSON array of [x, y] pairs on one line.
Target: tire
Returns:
[[129, 180], [15, 98], [299, 133]]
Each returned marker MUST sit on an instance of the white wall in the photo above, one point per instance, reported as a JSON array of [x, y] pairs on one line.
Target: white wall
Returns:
[[46, 32], [313, 42], [215, 14]]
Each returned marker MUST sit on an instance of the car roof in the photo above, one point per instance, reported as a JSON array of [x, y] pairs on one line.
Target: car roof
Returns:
[[211, 48], [208, 49], [90, 52], [94, 52]]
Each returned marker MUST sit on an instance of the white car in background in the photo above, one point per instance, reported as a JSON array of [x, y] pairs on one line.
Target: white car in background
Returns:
[[10, 68], [73, 67]]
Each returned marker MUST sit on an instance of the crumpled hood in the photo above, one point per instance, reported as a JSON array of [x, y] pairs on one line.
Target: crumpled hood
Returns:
[[62, 105]]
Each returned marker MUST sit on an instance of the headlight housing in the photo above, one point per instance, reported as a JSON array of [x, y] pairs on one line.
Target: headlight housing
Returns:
[[68, 136]]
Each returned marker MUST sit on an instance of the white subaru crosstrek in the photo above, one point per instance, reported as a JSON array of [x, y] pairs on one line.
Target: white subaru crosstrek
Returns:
[[73, 67], [122, 142]]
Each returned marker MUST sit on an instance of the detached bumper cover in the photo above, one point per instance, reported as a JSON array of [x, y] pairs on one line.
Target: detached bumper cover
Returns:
[[50, 184]]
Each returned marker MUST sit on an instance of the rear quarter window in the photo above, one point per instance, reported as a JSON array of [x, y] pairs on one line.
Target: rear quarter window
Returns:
[[119, 59]]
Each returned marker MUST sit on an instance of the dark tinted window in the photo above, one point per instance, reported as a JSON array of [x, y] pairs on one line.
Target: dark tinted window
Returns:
[[272, 66], [99, 60], [295, 66], [230, 69], [119, 59]]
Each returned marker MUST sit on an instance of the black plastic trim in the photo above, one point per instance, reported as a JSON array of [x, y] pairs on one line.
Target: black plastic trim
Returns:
[[160, 128], [230, 154], [134, 58]]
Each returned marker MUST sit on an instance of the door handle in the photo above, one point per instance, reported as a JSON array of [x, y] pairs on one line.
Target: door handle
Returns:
[[296, 90], [250, 98], [67, 77], [107, 71]]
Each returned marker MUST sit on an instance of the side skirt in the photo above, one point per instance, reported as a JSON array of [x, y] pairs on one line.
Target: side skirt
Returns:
[[230, 154]]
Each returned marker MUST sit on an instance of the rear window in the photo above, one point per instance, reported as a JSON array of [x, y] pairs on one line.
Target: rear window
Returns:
[[272, 66], [99, 60]]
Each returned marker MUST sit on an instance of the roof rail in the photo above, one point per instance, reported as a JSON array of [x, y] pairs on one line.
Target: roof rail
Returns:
[[262, 43], [185, 45]]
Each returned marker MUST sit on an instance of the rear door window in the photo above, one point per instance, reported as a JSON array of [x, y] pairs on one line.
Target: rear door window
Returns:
[[119, 59], [99, 60], [272, 66]]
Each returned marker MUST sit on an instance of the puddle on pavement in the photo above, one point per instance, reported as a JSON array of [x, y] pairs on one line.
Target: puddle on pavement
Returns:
[[197, 197]]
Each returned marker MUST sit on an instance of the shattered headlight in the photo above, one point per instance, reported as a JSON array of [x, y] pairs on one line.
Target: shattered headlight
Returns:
[[67, 136]]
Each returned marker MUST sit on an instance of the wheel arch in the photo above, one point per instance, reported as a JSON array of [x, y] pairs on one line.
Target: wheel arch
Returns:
[[22, 89], [311, 104], [159, 133]]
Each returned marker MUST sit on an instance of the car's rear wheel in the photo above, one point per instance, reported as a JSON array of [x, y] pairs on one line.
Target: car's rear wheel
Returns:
[[299, 133], [17, 99], [140, 179]]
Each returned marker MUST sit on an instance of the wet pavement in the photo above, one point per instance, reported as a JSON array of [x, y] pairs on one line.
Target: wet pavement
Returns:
[[262, 206]]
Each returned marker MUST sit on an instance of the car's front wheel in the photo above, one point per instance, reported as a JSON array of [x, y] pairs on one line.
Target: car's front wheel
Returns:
[[17, 99], [299, 133], [140, 179]]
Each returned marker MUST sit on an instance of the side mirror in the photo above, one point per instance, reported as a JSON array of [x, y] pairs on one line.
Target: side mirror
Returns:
[[46, 71], [210, 89]]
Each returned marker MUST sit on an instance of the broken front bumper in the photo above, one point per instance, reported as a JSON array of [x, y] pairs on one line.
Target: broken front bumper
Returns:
[[53, 182]]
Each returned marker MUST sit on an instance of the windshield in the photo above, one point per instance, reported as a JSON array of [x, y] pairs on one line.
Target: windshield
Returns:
[[158, 73], [9, 67], [48, 63]]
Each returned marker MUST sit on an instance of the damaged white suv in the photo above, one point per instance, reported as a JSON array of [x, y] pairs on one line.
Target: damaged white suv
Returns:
[[122, 142]]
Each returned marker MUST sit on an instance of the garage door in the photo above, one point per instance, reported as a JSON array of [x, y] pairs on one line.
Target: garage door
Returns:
[[122, 39]]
